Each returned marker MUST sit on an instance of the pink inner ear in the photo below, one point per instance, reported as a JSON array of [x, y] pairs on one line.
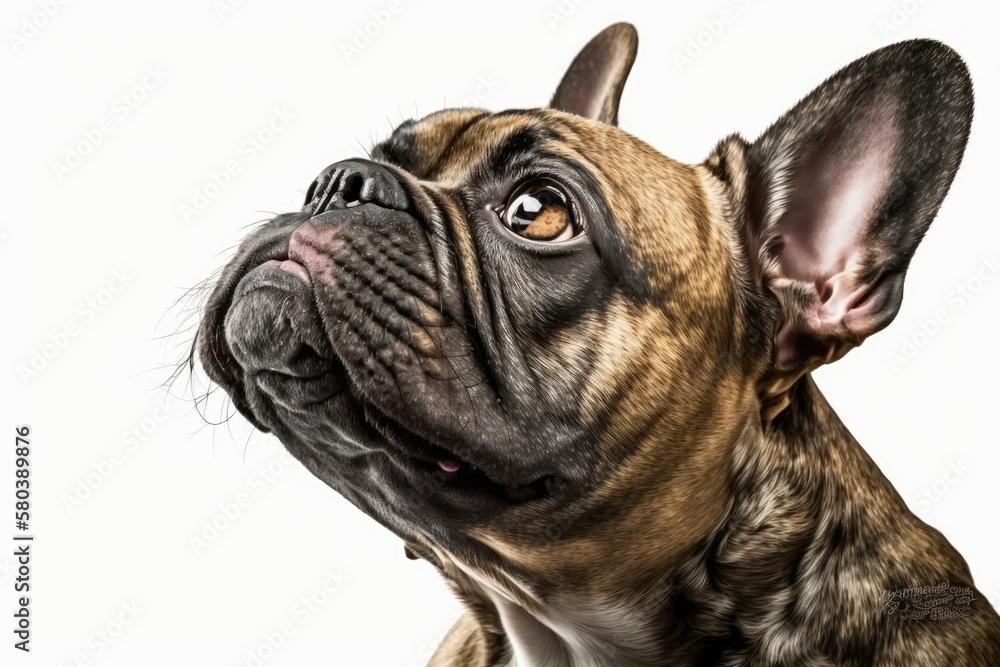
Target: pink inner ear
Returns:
[[840, 186]]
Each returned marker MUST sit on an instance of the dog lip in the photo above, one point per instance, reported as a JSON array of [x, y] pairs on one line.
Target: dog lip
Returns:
[[310, 390], [280, 273], [289, 266], [462, 474], [461, 477]]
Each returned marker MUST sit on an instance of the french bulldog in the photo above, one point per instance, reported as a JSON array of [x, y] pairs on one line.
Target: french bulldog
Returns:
[[574, 374]]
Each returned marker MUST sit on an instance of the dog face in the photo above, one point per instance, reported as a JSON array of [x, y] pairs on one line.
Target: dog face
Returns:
[[519, 339]]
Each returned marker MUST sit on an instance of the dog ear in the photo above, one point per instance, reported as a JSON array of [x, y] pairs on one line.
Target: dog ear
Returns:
[[592, 86], [837, 194]]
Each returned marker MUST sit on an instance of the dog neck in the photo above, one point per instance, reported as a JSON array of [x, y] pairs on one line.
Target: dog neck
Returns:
[[767, 572], [562, 631]]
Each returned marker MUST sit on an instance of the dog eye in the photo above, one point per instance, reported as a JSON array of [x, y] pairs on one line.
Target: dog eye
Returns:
[[540, 212]]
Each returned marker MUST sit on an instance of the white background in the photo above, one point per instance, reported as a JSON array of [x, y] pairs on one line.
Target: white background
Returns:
[[224, 73]]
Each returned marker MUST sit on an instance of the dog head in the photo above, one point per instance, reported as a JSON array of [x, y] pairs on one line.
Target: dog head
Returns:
[[520, 339]]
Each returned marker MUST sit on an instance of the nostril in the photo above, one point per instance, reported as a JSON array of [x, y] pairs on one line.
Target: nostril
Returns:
[[311, 192], [355, 182], [352, 189], [321, 186]]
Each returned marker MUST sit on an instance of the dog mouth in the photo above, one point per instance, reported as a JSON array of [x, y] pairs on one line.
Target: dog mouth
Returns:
[[465, 479], [273, 332], [437, 468], [281, 337]]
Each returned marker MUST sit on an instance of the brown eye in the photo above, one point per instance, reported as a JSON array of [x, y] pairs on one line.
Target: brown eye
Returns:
[[540, 212]]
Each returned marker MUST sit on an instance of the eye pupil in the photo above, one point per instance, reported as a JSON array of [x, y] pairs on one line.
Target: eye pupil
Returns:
[[540, 213], [533, 204]]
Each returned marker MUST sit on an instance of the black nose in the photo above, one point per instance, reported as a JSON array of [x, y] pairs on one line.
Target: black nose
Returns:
[[355, 182]]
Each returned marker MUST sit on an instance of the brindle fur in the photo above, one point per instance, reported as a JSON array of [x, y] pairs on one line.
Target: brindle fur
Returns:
[[725, 515]]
